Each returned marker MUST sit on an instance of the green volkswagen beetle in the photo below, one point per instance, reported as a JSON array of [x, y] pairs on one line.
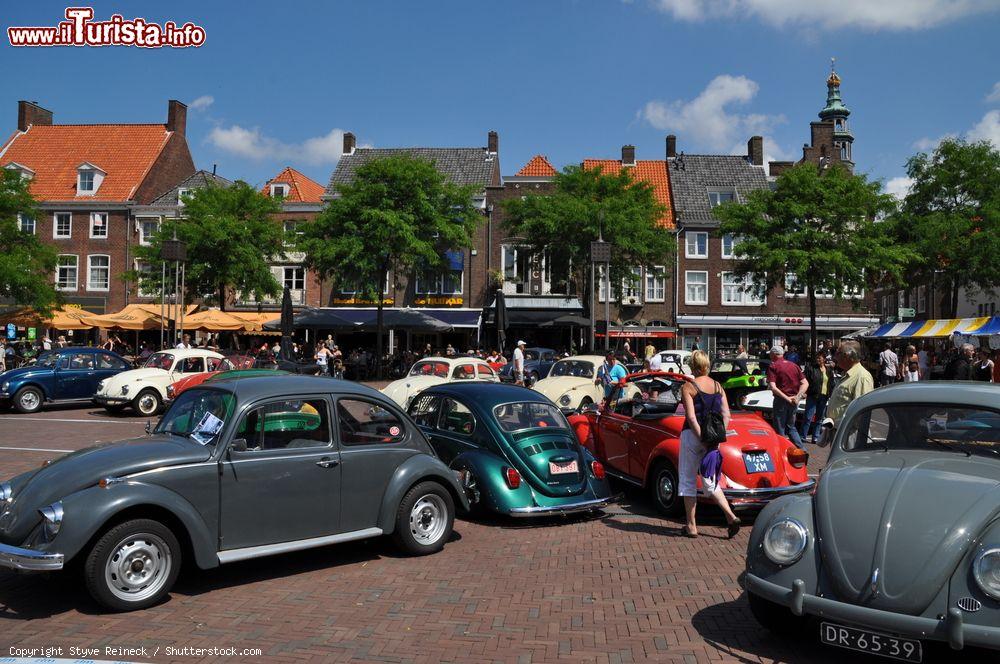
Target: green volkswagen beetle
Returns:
[[740, 376], [513, 449]]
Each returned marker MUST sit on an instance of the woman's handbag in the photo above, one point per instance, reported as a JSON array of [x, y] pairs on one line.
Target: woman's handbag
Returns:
[[713, 427]]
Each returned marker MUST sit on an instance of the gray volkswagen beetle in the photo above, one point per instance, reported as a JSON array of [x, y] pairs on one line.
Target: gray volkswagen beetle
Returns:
[[234, 470], [900, 544]]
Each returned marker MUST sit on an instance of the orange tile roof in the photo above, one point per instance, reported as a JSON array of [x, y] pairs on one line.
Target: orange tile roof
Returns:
[[301, 188], [125, 152], [537, 167], [655, 172]]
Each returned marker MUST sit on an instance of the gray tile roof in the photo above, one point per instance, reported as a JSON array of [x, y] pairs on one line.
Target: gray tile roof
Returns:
[[463, 166], [693, 175], [197, 180]]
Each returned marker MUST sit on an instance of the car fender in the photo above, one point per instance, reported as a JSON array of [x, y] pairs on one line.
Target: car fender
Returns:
[[29, 382], [488, 470], [87, 512], [417, 468], [800, 508]]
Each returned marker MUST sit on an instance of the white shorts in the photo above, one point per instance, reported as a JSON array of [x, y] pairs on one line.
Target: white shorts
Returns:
[[691, 454]]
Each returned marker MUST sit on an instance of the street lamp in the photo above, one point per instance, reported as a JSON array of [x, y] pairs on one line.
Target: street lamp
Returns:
[[600, 252], [172, 250]]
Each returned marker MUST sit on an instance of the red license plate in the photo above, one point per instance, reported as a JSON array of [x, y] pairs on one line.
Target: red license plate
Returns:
[[562, 467]]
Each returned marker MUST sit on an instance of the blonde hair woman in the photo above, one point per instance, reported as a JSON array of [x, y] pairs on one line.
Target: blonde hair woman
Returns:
[[701, 395]]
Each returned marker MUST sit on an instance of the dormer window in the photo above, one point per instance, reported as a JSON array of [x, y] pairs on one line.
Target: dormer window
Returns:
[[26, 173], [279, 190], [88, 179], [181, 194]]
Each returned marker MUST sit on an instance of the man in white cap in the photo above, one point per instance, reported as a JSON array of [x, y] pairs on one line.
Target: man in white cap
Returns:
[[519, 363]]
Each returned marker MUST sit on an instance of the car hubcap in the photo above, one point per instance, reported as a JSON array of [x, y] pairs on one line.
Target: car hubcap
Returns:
[[147, 403], [138, 568], [665, 488], [29, 401], [428, 519]]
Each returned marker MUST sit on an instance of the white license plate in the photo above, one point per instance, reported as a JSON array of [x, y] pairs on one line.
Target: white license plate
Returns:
[[874, 643], [562, 467]]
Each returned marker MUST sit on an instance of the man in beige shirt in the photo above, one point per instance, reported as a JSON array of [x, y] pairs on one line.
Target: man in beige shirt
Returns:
[[857, 382]]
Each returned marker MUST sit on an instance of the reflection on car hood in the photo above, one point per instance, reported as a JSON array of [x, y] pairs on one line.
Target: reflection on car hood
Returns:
[[83, 468], [556, 386], [910, 514], [153, 375]]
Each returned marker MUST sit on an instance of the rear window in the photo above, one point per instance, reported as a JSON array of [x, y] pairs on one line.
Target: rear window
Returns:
[[577, 368], [529, 415]]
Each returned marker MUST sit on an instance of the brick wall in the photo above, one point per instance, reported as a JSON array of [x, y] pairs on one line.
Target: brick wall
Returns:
[[172, 167]]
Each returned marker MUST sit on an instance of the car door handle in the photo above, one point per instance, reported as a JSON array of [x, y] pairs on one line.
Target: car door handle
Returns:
[[328, 463], [625, 426]]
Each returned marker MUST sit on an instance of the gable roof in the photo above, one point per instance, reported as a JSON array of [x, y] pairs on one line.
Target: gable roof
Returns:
[[693, 175], [125, 152], [652, 171], [462, 166], [537, 167], [197, 180], [301, 189]]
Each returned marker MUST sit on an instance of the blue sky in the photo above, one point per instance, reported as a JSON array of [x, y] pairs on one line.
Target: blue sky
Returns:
[[277, 83]]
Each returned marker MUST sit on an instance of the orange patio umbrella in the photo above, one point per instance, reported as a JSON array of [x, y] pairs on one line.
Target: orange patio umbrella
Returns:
[[71, 318], [132, 317], [214, 320]]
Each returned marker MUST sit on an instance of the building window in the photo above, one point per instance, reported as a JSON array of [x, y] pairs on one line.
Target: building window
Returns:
[[432, 283], [720, 196], [148, 227], [695, 287], [98, 272], [922, 299], [26, 223], [695, 244], [602, 284], [740, 291], [632, 286], [99, 224], [294, 278], [656, 284], [66, 272], [279, 190], [62, 225], [146, 286], [292, 232], [86, 181], [729, 243], [451, 283], [514, 263], [182, 193]]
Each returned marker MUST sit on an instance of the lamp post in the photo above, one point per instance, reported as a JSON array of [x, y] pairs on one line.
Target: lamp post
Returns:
[[600, 252], [173, 250]]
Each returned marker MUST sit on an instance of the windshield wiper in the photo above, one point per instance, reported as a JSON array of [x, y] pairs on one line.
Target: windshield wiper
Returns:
[[950, 445]]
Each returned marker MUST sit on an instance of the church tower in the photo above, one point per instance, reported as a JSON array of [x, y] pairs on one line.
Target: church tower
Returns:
[[837, 113]]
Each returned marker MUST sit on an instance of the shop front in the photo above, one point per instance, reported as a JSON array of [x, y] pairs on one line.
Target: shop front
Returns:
[[722, 335], [549, 321]]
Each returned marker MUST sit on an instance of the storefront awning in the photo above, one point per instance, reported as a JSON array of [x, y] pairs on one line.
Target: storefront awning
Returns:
[[774, 321], [944, 327]]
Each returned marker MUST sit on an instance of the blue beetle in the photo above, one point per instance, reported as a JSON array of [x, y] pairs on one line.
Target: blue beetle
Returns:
[[59, 375]]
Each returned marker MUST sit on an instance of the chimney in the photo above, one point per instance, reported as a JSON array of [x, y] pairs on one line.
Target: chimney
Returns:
[[628, 155], [755, 150], [671, 146], [176, 116], [493, 142], [30, 113], [349, 142]]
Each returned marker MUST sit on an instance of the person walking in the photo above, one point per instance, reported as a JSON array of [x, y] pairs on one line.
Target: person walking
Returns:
[[741, 353], [961, 366], [889, 369], [610, 374], [857, 381], [650, 350], [185, 342], [788, 385], [924, 361], [322, 357], [518, 360], [702, 396], [817, 394], [3, 356], [911, 372], [984, 367]]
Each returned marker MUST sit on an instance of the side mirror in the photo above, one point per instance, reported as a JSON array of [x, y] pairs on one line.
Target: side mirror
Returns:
[[238, 445]]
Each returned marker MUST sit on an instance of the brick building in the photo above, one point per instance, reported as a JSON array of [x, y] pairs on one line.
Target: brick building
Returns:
[[87, 180]]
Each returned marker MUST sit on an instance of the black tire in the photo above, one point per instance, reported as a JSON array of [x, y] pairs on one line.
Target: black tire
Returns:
[[775, 618], [147, 403], [425, 518], [664, 488], [114, 410], [28, 400], [149, 545]]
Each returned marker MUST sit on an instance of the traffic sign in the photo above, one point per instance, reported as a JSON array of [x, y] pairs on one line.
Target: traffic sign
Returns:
[[905, 312]]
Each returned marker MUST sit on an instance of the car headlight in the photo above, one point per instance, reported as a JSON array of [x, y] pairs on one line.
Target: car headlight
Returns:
[[5, 493], [52, 517], [5, 386], [124, 389], [785, 541], [564, 400], [986, 569]]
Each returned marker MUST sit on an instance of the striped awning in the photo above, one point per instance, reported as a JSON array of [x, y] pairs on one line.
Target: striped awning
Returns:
[[944, 327]]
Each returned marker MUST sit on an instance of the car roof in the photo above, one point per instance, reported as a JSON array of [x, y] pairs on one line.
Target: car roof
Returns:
[[670, 375], [253, 387], [181, 353], [82, 349], [461, 359], [589, 358], [951, 393], [486, 395]]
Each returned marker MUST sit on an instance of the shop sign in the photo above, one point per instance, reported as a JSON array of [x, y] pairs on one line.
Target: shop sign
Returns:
[[11, 331], [361, 300], [449, 301], [31, 334]]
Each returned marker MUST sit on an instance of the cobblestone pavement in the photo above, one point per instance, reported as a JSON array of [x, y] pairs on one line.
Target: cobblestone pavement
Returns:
[[622, 587]]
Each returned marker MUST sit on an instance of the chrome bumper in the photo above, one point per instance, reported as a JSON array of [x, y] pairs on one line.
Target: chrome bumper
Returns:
[[569, 508], [13, 557], [104, 400], [751, 496], [950, 629]]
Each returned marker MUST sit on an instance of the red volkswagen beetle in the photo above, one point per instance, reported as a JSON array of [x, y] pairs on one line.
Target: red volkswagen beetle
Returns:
[[636, 435]]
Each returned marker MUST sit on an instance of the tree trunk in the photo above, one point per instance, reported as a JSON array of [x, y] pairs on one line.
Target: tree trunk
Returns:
[[379, 323], [954, 300], [222, 297], [813, 345]]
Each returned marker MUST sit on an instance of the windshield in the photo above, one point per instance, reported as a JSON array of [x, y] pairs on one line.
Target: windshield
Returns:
[[925, 427], [160, 361], [47, 359], [578, 368], [198, 414], [529, 415], [531, 355], [430, 368]]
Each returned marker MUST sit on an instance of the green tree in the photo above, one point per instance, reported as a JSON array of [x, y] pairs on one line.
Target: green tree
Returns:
[[951, 217], [26, 264], [399, 214], [818, 227], [230, 236], [587, 204]]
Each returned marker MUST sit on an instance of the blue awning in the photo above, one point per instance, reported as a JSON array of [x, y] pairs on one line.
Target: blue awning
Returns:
[[456, 259], [468, 318], [456, 317]]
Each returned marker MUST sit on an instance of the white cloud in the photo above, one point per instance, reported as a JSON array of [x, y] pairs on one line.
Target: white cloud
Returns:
[[201, 103], [987, 129], [253, 144], [867, 14], [705, 119], [994, 95], [899, 186]]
